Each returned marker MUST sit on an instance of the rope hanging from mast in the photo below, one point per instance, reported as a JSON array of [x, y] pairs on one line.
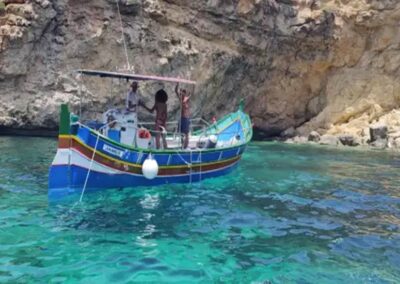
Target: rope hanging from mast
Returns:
[[128, 65]]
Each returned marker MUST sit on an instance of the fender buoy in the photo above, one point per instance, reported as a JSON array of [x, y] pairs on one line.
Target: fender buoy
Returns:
[[150, 168], [212, 141], [144, 134]]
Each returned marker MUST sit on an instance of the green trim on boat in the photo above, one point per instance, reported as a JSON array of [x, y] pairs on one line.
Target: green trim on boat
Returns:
[[241, 105], [65, 123]]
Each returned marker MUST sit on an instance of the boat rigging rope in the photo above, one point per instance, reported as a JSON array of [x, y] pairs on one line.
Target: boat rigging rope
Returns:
[[90, 168], [123, 36]]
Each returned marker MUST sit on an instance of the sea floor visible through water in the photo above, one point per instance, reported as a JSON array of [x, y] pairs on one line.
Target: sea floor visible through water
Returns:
[[287, 214]]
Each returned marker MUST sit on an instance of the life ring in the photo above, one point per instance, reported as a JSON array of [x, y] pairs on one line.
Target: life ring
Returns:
[[144, 134]]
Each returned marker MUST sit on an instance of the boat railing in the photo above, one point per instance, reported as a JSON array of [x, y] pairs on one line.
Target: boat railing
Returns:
[[196, 123], [194, 142], [172, 127], [200, 129]]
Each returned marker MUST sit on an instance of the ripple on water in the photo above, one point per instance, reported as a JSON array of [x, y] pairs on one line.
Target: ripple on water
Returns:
[[288, 214]]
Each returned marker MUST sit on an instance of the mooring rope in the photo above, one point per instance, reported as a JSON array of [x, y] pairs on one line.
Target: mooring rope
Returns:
[[90, 168], [190, 169]]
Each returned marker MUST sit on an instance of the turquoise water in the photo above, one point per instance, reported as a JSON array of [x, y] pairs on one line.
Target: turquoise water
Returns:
[[288, 214]]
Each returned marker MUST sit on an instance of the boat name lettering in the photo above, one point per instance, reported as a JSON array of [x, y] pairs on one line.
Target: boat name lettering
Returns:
[[113, 151]]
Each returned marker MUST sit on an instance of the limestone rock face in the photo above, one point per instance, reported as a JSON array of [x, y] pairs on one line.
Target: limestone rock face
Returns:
[[314, 137], [324, 65], [329, 140], [349, 140], [378, 131]]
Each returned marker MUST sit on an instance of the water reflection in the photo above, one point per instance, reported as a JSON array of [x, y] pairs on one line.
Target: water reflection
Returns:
[[287, 215], [144, 239], [150, 201]]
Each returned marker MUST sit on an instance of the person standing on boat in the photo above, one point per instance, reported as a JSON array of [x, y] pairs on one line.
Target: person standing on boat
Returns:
[[160, 106], [132, 98], [185, 114]]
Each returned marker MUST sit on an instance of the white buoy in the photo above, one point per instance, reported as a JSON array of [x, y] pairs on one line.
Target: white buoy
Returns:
[[212, 141], [150, 168]]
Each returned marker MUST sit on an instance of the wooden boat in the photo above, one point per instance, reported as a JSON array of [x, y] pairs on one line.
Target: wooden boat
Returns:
[[92, 158]]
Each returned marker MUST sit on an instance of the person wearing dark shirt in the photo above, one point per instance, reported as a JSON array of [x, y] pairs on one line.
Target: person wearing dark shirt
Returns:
[[160, 107]]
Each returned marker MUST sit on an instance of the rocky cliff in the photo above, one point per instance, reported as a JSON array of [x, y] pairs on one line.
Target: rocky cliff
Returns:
[[327, 65]]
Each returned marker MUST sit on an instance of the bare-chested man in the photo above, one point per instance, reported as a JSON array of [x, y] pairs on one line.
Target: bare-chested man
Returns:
[[184, 97]]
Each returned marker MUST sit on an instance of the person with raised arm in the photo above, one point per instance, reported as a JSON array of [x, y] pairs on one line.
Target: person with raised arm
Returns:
[[184, 98]]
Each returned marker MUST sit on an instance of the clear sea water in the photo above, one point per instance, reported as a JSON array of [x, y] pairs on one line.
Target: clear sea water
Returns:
[[288, 214]]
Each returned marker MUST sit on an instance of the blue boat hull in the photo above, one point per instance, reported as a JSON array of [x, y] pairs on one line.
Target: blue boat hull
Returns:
[[75, 176]]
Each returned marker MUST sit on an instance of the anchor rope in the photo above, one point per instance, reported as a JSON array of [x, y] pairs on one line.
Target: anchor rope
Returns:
[[90, 168], [190, 168]]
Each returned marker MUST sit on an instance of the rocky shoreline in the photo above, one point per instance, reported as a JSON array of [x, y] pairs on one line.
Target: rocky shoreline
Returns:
[[374, 131], [379, 137]]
